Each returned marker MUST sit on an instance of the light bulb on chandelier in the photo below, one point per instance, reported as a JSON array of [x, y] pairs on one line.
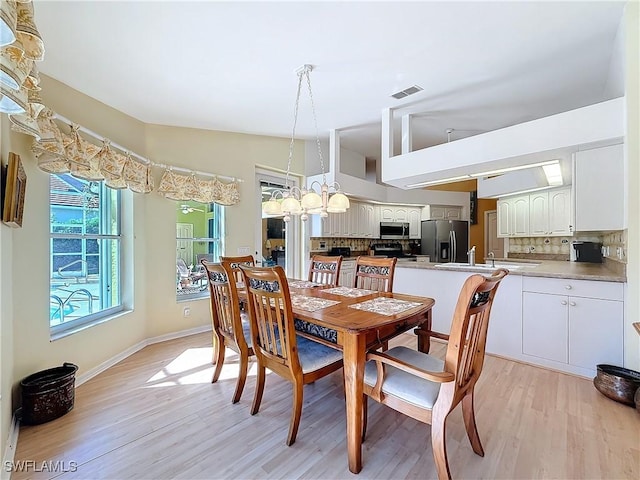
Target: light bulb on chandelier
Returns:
[[294, 201]]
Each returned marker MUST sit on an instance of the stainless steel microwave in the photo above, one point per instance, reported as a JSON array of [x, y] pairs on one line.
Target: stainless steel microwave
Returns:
[[394, 230]]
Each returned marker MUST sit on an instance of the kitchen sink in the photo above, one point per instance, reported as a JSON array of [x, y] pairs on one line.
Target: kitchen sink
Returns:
[[488, 266]]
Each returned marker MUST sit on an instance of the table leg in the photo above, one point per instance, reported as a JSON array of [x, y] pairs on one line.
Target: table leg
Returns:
[[424, 334], [354, 357]]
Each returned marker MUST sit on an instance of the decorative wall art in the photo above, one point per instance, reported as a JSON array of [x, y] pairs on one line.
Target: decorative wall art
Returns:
[[473, 207], [14, 192]]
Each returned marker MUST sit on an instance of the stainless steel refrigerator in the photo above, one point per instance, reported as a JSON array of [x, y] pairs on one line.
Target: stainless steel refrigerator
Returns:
[[445, 240]]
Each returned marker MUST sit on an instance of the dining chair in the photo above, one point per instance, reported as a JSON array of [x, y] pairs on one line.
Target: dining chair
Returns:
[[375, 273], [427, 388], [235, 263], [230, 325], [325, 269], [276, 345]]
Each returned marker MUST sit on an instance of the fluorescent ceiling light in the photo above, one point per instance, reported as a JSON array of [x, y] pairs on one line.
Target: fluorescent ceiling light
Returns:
[[438, 182], [553, 174], [519, 192], [513, 169], [554, 177]]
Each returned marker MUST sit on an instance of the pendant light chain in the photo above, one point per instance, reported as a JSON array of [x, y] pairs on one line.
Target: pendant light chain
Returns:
[[293, 131], [315, 122], [305, 201]]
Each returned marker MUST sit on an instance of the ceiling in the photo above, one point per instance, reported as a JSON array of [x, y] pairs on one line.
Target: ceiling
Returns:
[[231, 65]]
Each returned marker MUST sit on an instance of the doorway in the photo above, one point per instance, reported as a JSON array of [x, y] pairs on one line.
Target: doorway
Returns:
[[277, 242], [184, 248], [492, 242]]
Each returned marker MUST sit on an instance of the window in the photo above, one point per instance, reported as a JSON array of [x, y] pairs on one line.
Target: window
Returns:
[[199, 235], [85, 252]]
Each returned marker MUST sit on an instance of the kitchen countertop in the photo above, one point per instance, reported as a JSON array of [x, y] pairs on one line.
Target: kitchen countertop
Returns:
[[545, 268]]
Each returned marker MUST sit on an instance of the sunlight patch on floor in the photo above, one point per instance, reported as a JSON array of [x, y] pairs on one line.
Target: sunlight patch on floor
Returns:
[[193, 366]]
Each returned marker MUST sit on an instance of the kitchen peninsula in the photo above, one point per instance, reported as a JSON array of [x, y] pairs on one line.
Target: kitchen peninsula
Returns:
[[566, 316]]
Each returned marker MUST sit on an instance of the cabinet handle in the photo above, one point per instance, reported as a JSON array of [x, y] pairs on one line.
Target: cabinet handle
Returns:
[[563, 302], [573, 304], [568, 287]]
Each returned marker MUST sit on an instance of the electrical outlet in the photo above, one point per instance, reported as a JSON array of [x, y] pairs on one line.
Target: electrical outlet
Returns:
[[619, 252], [186, 312]]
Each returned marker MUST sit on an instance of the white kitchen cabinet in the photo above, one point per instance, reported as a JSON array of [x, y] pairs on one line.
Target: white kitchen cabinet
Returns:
[[347, 273], [415, 219], [539, 214], [598, 180], [560, 212], [359, 221], [394, 213], [550, 213], [572, 324], [442, 212], [513, 216]]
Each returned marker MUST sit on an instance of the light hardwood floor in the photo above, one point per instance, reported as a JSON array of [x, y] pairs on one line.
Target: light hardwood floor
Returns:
[[156, 415]]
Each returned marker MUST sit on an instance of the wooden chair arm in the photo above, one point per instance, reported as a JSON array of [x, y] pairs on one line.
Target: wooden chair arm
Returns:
[[383, 358]]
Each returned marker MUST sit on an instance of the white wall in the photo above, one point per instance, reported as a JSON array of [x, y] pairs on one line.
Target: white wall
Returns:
[[25, 344], [632, 154]]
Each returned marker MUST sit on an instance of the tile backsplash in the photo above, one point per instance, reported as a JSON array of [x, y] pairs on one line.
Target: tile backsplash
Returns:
[[614, 243], [356, 244]]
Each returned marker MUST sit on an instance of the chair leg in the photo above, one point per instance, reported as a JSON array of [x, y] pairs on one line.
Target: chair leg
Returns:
[[365, 404], [242, 377], [296, 412], [469, 415], [438, 443], [218, 359], [257, 397]]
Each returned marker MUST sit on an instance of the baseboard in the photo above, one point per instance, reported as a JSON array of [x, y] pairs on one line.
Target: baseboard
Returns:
[[10, 450], [80, 379], [180, 334]]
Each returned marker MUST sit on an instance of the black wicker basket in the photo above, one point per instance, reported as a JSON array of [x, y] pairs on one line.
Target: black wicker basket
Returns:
[[48, 394]]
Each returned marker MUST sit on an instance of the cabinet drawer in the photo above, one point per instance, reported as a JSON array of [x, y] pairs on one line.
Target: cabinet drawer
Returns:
[[574, 288]]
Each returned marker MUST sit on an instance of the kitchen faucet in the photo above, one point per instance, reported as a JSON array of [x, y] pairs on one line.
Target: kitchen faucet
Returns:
[[472, 256], [492, 256]]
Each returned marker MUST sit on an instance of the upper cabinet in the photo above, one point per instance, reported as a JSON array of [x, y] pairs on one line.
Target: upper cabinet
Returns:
[[442, 212], [394, 213], [362, 220], [598, 180], [513, 216], [359, 221], [550, 213], [404, 214], [545, 214]]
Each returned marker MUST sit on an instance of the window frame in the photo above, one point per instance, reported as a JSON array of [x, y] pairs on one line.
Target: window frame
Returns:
[[217, 240], [106, 265]]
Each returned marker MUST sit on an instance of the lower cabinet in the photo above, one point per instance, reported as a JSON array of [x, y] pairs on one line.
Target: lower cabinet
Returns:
[[577, 323], [347, 273], [567, 325]]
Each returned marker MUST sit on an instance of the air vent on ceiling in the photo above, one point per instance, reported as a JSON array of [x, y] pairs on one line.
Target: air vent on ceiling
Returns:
[[407, 91]]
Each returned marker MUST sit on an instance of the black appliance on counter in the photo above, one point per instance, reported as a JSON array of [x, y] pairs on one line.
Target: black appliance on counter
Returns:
[[588, 252], [344, 251], [393, 249]]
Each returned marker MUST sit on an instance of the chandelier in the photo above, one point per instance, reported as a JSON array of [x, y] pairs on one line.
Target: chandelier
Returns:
[[295, 201]]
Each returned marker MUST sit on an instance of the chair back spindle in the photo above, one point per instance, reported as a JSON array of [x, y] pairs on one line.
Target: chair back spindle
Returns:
[[325, 269], [375, 273]]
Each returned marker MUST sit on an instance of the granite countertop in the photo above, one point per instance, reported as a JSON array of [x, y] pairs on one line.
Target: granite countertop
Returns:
[[609, 272]]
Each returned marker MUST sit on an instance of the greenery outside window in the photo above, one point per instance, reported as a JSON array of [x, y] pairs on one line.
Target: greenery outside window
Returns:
[[199, 235], [85, 252]]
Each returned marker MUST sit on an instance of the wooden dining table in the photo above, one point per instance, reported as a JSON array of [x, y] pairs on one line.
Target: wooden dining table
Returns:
[[362, 320]]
